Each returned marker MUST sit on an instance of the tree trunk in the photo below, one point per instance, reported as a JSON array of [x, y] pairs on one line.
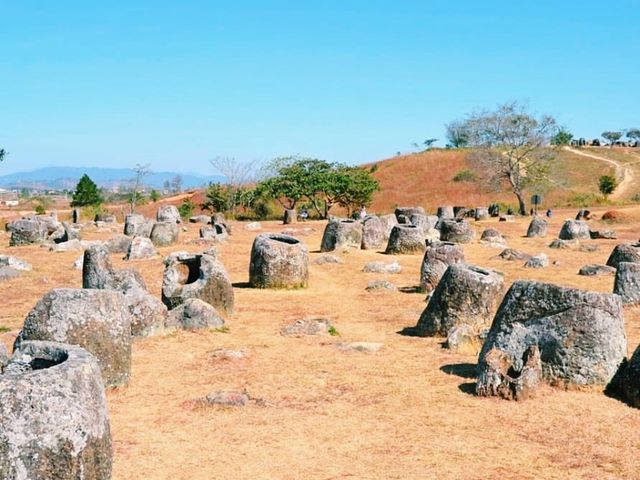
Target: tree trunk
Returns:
[[521, 204]]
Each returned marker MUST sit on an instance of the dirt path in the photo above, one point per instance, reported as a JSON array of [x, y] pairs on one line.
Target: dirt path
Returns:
[[624, 173]]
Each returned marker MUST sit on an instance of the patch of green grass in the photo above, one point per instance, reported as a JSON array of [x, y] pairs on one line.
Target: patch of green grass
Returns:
[[465, 176], [333, 332], [4, 329]]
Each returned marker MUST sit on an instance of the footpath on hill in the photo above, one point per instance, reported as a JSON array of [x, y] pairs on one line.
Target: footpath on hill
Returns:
[[624, 173]]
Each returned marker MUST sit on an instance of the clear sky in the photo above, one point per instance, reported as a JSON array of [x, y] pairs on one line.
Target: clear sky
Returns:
[[176, 83]]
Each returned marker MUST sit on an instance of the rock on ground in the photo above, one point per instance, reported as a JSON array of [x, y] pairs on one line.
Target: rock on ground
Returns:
[[625, 252], [97, 320], [341, 233], [580, 335], [595, 270], [381, 267], [54, 422], [436, 260], [627, 282], [574, 230], [406, 239], [278, 261], [307, 326], [537, 261], [194, 314]]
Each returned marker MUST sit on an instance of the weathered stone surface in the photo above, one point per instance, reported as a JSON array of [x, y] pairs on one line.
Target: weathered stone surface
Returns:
[[210, 234], [583, 215], [627, 282], [4, 356], [403, 214], [194, 314], [307, 326], [148, 313], [26, 232], [388, 222], [373, 233], [464, 339], [7, 273], [382, 267], [53, 415], [75, 215], [375, 285], [537, 261], [560, 244], [140, 248], [425, 222], [136, 225], [278, 261], [226, 398], [625, 252], [119, 244], [511, 254], [457, 231], [492, 236], [290, 216], [105, 218], [341, 233], [406, 239], [69, 246], [327, 258], [164, 234], [506, 218], [630, 380], [14, 262], [168, 214], [436, 260], [580, 334], [595, 270], [253, 226], [500, 377], [97, 320], [481, 213], [196, 276], [587, 247], [537, 227], [446, 212], [603, 234], [466, 295], [200, 219], [574, 230]]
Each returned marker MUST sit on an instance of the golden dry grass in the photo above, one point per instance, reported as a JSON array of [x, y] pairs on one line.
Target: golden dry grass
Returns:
[[402, 413], [426, 179]]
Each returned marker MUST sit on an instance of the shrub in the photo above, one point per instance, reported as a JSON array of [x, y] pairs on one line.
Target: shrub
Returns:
[[607, 184], [186, 209], [464, 176]]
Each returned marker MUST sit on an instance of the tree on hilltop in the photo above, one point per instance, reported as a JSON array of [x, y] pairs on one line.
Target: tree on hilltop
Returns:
[[86, 193], [510, 146], [612, 137]]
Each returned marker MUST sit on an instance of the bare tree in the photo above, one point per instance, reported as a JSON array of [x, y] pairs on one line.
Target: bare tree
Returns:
[[141, 171], [236, 173], [176, 184], [510, 146]]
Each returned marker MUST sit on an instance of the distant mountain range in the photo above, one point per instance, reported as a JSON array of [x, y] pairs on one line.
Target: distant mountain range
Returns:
[[59, 178]]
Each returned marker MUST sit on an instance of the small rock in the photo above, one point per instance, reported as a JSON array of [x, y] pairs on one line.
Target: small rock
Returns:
[[511, 254], [603, 234], [627, 282], [7, 273], [537, 261], [327, 258], [381, 285], [560, 244], [596, 270], [227, 354], [227, 398], [381, 267], [307, 326], [193, 314], [587, 248], [363, 347], [506, 218], [14, 262], [141, 247], [69, 246], [252, 226]]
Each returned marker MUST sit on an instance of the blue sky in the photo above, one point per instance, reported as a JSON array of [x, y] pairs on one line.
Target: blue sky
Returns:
[[175, 84]]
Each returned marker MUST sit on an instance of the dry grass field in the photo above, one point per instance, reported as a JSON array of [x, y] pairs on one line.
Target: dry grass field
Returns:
[[318, 412], [426, 179]]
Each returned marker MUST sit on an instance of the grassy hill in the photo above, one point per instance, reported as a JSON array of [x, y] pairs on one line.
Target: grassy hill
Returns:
[[426, 179]]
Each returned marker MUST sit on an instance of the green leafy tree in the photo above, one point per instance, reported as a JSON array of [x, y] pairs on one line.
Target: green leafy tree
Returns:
[[154, 195], [3, 154], [86, 193], [358, 187], [607, 184], [633, 134], [216, 198], [612, 137], [563, 137], [186, 209], [510, 147]]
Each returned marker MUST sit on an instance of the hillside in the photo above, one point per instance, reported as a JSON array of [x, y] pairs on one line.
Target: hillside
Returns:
[[426, 179]]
